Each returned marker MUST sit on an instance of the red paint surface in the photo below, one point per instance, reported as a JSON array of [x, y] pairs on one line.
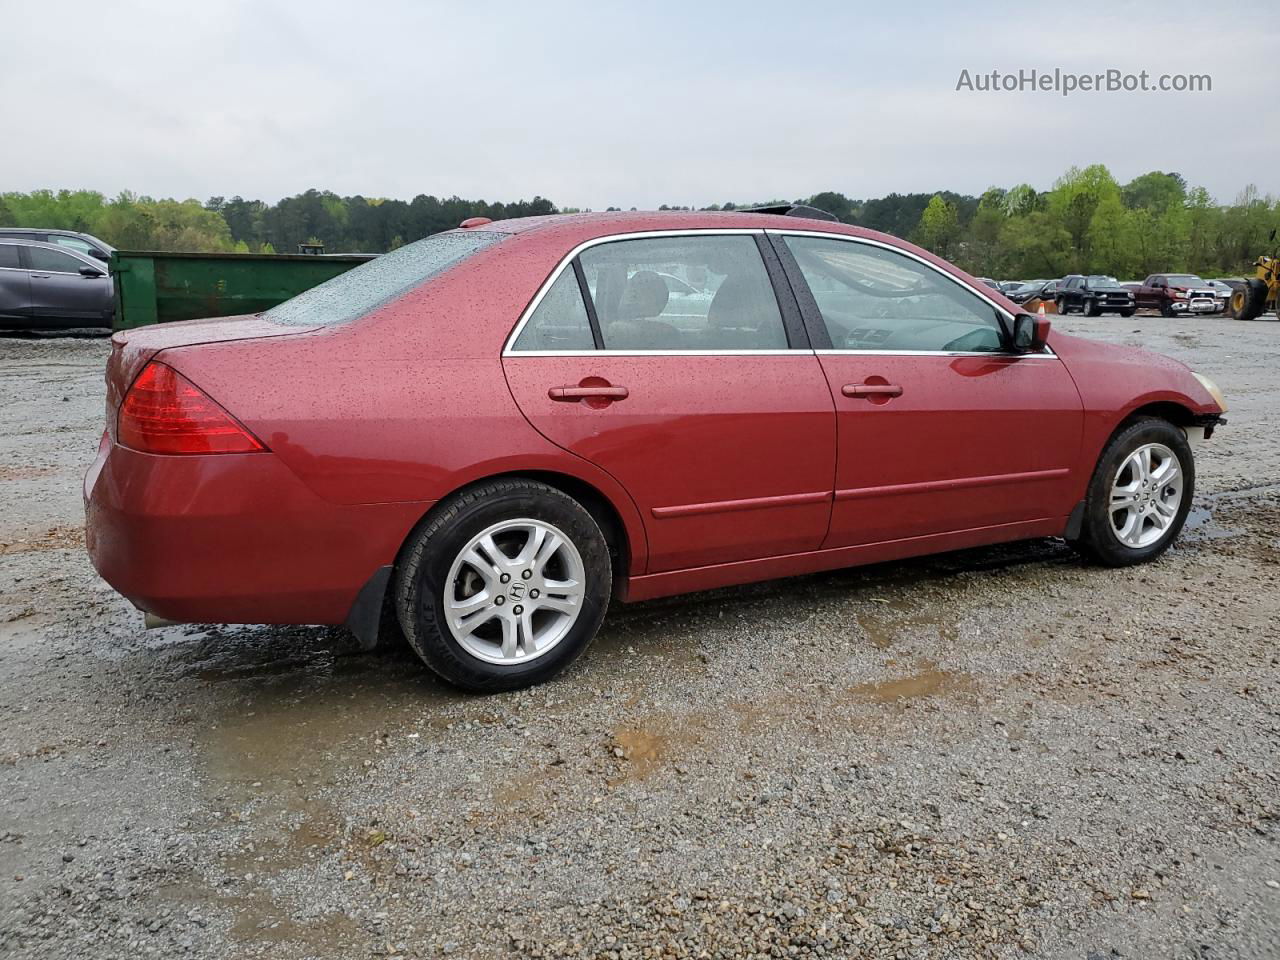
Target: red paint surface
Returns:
[[720, 469]]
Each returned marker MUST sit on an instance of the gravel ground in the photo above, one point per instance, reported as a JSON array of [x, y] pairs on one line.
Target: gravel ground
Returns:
[[994, 753]]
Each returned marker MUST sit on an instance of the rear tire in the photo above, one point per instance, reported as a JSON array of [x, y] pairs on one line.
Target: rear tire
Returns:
[[481, 622], [1117, 534]]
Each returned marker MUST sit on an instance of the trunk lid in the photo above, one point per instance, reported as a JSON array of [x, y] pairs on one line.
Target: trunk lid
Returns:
[[131, 349]]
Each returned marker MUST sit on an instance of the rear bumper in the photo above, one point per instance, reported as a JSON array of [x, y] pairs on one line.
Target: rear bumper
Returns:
[[232, 538]]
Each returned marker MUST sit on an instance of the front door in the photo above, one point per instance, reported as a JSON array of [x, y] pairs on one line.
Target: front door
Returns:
[[939, 429], [667, 362], [60, 290]]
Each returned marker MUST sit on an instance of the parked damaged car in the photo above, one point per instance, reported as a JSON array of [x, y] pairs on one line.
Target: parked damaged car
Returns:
[[483, 438]]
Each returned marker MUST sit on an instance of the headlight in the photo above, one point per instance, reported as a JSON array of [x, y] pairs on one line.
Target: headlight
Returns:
[[1214, 392]]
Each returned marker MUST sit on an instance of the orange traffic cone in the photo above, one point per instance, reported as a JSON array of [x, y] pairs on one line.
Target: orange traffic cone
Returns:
[[1040, 312]]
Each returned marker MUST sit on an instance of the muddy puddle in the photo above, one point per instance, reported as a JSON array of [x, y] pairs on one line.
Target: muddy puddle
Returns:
[[927, 681]]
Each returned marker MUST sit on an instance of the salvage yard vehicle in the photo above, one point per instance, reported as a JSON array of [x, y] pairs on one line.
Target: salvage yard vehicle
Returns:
[[1258, 293], [1221, 291], [43, 286], [1175, 294], [1094, 295], [85, 243], [483, 437], [1034, 290]]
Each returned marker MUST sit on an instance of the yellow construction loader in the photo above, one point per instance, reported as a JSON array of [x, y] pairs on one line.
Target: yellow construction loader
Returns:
[[1259, 293]]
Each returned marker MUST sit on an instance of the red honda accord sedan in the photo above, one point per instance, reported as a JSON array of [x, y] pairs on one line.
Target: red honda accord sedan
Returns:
[[481, 438]]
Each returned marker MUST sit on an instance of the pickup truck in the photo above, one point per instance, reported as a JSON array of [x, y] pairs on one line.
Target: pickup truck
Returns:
[[1094, 295], [1177, 294]]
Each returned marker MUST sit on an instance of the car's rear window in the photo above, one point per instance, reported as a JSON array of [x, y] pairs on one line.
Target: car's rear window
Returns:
[[355, 293]]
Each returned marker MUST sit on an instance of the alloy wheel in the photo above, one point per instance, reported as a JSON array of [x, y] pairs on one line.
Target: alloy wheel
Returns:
[[514, 591], [1145, 495]]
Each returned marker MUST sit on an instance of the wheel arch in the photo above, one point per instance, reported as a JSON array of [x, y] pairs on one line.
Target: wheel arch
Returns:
[[372, 611], [1176, 413], [621, 524]]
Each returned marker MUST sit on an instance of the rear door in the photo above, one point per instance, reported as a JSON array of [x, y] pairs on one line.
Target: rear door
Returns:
[[60, 291], [939, 428], [15, 286], [707, 405]]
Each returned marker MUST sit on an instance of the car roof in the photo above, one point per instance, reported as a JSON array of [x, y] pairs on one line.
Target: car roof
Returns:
[[20, 242], [567, 231], [8, 231]]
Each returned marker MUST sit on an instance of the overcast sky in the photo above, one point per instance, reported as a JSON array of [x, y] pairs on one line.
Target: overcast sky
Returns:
[[631, 104]]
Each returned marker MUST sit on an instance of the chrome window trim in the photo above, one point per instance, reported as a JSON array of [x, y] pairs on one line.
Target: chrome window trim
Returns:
[[1046, 354], [659, 353], [568, 259]]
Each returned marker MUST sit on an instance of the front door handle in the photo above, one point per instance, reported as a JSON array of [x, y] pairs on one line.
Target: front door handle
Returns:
[[871, 390], [574, 394]]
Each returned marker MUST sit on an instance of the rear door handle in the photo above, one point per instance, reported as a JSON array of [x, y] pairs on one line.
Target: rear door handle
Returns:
[[871, 390], [574, 394]]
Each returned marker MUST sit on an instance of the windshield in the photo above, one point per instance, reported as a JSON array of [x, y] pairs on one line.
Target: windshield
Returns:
[[359, 291], [1104, 283], [1186, 280]]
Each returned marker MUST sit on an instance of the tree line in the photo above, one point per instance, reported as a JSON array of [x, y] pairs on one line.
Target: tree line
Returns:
[[1086, 222]]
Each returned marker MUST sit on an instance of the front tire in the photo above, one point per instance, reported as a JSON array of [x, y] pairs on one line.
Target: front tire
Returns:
[[1139, 495], [1090, 309], [1062, 306], [505, 586]]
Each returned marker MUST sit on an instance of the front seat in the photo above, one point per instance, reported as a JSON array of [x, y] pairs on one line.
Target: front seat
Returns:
[[744, 316], [644, 298]]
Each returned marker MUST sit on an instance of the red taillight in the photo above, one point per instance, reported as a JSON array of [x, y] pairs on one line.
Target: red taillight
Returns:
[[164, 412]]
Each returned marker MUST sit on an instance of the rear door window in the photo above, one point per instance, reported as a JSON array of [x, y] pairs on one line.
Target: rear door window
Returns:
[[9, 256], [706, 293]]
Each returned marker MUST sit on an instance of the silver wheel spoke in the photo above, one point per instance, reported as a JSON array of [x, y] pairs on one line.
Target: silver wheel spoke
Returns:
[[481, 565], [510, 639], [562, 604], [528, 640], [1169, 472], [497, 559], [467, 625], [470, 604], [1143, 463], [547, 549], [1122, 497], [531, 546]]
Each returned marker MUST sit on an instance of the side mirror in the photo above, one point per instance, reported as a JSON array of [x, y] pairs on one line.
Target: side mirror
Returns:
[[88, 271], [1030, 333]]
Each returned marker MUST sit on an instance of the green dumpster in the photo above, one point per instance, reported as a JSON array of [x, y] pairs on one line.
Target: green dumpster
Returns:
[[157, 287]]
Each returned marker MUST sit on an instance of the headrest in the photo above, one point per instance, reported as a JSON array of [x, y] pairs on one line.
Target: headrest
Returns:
[[740, 302], [646, 295]]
